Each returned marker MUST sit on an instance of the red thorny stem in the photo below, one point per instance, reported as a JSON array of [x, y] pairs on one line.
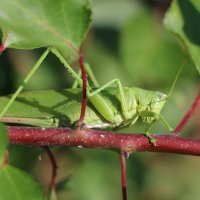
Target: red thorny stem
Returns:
[[84, 90], [54, 168], [188, 115], [123, 156]]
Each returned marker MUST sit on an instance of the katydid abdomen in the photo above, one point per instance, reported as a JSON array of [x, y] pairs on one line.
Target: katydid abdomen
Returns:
[[55, 108]]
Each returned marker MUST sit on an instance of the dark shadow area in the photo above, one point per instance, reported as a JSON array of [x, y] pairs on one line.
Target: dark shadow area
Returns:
[[191, 17], [7, 74], [108, 36]]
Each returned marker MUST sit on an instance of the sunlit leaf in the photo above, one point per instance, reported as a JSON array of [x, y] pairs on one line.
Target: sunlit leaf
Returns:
[[34, 23]]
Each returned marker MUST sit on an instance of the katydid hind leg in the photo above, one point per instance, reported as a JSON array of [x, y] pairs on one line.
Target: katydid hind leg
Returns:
[[99, 103], [26, 80], [122, 96]]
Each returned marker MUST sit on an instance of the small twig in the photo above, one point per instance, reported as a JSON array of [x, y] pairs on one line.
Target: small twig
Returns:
[[84, 90], [188, 115], [54, 168], [123, 174]]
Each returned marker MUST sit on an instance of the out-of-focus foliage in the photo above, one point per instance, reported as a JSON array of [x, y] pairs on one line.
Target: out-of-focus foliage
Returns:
[[148, 49], [127, 41], [183, 18]]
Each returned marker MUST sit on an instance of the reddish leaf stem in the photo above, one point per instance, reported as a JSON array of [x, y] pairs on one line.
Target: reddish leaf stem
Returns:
[[3, 45], [188, 115], [2, 48], [90, 138], [84, 90], [54, 167], [123, 174]]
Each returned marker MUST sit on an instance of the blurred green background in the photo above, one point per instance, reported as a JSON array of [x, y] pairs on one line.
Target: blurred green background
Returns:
[[127, 40]]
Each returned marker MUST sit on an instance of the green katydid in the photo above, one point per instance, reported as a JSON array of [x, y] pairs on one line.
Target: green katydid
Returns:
[[107, 107]]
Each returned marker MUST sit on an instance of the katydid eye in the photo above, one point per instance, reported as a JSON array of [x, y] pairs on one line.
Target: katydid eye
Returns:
[[160, 96]]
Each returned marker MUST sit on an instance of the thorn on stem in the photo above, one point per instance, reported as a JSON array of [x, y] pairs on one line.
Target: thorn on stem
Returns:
[[80, 126], [126, 154]]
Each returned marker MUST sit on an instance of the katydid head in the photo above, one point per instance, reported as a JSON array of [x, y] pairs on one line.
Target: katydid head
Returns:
[[151, 103], [157, 102], [151, 112]]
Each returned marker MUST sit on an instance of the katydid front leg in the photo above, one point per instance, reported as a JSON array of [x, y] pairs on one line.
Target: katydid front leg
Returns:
[[152, 140], [164, 122]]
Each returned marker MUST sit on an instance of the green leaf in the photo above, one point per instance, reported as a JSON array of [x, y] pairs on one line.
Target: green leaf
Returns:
[[3, 141], [183, 18], [62, 24], [18, 185]]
